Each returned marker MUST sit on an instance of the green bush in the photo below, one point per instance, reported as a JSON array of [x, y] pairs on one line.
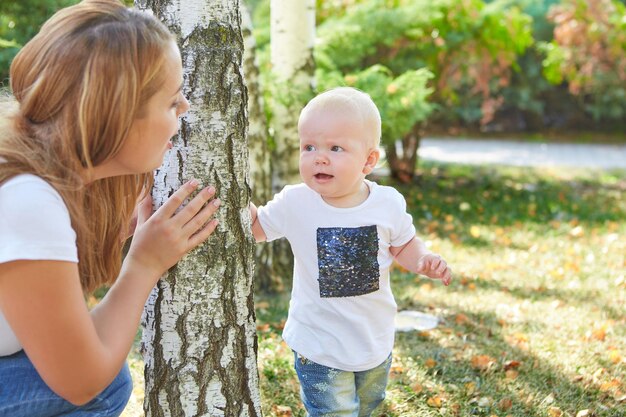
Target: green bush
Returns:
[[588, 52], [471, 47], [20, 21]]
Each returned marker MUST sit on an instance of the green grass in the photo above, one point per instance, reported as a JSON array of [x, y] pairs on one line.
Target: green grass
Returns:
[[534, 323]]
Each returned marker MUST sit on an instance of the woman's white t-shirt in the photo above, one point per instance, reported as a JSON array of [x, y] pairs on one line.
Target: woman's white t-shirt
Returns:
[[34, 225]]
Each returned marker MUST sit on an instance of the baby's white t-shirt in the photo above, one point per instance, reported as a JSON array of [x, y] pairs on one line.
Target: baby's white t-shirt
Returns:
[[34, 225], [342, 310]]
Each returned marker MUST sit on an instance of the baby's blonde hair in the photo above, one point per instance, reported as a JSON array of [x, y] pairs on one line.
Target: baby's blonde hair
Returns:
[[357, 102]]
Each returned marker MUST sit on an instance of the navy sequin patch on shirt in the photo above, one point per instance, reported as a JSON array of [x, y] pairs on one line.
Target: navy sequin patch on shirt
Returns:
[[348, 261]]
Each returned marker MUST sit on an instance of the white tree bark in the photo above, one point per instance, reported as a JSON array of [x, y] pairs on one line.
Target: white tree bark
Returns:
[[199, 336], [260, 166], [292, 36]]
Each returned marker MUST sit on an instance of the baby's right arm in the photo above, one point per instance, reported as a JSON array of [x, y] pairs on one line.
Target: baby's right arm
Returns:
[[257, 229]]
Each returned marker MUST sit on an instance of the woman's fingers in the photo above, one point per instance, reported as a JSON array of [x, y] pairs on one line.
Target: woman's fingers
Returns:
[[203, 234], [193, 208], [168, 209], [192, 221], [163, 238], [144, 209], [199, 220]]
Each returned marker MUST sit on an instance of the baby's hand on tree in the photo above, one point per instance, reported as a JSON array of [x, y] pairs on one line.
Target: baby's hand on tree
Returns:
[[434, 266]]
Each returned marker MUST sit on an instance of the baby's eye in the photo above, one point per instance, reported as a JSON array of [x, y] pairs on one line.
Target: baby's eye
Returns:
[[336, 148], [308, 148]]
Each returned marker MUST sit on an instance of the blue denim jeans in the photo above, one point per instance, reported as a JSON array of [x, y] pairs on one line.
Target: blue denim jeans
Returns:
[[330, 392], [24, 394]]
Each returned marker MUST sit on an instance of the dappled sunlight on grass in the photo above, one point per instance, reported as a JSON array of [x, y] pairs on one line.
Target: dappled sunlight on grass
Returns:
[[538, 283]]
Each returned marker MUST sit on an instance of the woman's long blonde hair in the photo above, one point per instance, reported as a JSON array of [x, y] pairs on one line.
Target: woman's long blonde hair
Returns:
[[77, 87]]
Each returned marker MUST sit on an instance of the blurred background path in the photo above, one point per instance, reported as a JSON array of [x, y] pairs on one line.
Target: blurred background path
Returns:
[[508, 152]]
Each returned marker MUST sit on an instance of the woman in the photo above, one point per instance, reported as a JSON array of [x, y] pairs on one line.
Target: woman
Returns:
[[97, 100]]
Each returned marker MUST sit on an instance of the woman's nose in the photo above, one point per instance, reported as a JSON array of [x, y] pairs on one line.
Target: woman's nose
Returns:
[[184, 106]]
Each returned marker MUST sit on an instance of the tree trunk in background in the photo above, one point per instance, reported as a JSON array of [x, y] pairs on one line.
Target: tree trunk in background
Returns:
[[199, 336], [292, 36], [402, 156], [260, 161]]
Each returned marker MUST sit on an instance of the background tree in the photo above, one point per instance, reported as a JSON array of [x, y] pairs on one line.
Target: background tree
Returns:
[[199, 339], [289, 82], [292, 69], [266, 278]]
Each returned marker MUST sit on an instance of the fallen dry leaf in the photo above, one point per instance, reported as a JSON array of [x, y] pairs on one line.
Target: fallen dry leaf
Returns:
[[482, 362], [505, 404], [609, 385], [263, 327], [417, 388], [435, 401], [470, 387], [599, 333], [282, 411], [396, 370], [555, 412], [461, 319], [430, 363], [512, 365]]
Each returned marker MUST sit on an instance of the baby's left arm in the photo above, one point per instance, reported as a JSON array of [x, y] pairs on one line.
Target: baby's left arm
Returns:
[[415, 257]]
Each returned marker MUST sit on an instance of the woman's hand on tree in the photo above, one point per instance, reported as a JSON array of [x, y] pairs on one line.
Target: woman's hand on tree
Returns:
[[163, 238]]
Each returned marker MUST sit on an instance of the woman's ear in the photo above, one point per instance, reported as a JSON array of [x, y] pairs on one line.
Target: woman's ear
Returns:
[[372, 160]]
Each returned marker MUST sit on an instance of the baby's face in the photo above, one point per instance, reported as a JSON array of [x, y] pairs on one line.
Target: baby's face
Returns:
[[334, 153]]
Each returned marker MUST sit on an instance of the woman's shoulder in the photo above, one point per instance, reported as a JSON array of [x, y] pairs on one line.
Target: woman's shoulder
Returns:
[[24, 179], [28, 192], [34, 221], [27, 183]]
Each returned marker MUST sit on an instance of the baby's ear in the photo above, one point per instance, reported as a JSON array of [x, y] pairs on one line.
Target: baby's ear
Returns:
[[372, 160]]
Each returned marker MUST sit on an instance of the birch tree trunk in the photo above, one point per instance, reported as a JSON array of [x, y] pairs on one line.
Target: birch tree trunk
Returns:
[[292, 37], [199, 336], [260, 161]]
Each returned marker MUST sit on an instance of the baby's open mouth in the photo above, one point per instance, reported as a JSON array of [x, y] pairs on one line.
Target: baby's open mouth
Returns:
[[323, 176]]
